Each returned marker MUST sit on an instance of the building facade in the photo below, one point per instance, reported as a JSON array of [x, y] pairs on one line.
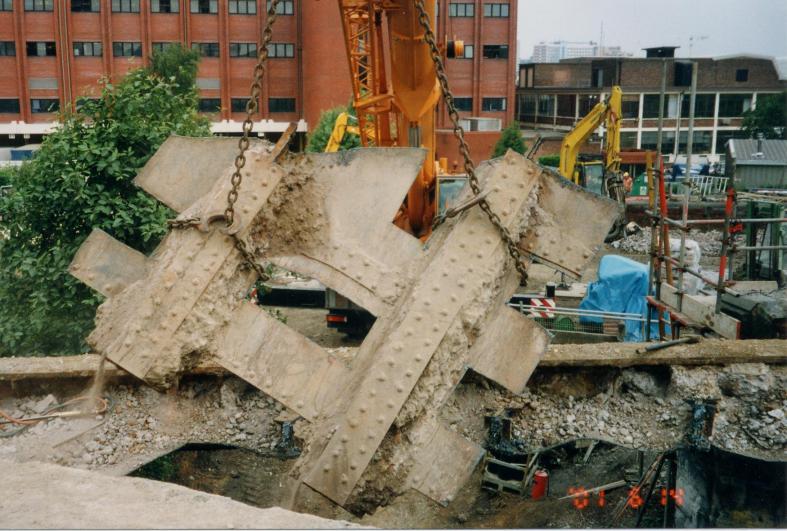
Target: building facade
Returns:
[[54, 52], [554, 97]]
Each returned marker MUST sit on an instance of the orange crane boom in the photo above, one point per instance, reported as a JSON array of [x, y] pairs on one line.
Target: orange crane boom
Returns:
[[395, 90]]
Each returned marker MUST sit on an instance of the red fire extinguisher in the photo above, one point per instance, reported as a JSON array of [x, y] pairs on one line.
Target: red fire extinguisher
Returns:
[[540, 485]]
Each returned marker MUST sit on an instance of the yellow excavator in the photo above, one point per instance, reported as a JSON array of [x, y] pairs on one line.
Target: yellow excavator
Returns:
[[600, 175]]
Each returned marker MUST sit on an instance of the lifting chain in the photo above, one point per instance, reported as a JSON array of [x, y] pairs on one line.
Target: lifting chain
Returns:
[[459, 133], [243, 145]]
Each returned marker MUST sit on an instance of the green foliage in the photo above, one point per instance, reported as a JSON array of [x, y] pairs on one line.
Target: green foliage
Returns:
[[510, 138], [553, 161], [322, 132], [7, 175], [177, 64], [81, 179], [768, 118]]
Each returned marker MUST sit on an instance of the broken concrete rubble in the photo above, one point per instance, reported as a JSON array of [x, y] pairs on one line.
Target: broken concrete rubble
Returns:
[[440, 307]]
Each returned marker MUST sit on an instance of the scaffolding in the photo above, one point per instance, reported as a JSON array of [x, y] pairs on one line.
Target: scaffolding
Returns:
[[661, 260]]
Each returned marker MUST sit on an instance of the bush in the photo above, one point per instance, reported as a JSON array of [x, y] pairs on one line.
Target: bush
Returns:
[[510, 138], [318, 140], [553, 161], [81, 179]]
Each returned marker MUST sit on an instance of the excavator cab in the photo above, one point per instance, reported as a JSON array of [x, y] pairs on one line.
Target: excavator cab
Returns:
[[589, 174]]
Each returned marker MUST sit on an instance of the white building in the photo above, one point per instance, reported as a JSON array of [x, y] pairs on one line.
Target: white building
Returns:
[[554, 52]]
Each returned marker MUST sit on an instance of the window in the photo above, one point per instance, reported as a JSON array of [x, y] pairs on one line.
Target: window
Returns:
[[650, 107], [495, 10], [127, 49], [87, 49], [493, 104], [80, 6], [243, 49], [9, 106], [211, 105], [82, 101], [207, 7], [734, 105], [464, 104], [461, 10], [238, 104], [8, 5], [7, 48], [586, 104], [628, 140], [281, 105], [206, 49], [165, 6], [566, 105], [546, 105], [630, 106], [468, 53], [285, 7], [742, 75], [650, 141], [41, 49], [38, 5], [161, 46], [44, 105], [527, 108], [243, 7], [704, 105], [496, 51], [125, 6], [702, 141], [281, 49]]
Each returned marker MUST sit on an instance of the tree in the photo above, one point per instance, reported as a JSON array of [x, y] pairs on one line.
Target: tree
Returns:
[[81, 179], [322, 132], [510, 138], [178, 64], [767, 118]]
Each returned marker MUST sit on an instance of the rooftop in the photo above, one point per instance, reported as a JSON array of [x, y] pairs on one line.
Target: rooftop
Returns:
[[773, 151]]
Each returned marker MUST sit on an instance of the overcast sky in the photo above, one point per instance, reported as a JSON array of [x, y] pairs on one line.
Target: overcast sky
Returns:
[[731, 26]]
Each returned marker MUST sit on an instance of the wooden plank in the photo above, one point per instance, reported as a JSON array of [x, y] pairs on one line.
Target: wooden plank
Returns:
[[509, 349], [700, 309], [707, 352], [107, 265]]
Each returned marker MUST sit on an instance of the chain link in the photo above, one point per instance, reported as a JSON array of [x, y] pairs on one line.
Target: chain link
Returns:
[[459, 133], [243, 145]]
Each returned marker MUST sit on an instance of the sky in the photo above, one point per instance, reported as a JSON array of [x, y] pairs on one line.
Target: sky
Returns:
[[719, 27]]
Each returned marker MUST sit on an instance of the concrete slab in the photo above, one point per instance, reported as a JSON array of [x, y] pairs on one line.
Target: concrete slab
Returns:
[[45, 496]]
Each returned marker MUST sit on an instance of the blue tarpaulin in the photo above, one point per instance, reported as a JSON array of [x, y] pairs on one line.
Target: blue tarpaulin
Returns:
[[621, 287]]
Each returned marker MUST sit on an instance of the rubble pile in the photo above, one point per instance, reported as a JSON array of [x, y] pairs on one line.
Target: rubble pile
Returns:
[[638, 408], [142, 422], [639, 243]]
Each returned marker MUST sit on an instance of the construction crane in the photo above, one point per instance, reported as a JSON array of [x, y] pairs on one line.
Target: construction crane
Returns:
[[396, 91], [600, 176]]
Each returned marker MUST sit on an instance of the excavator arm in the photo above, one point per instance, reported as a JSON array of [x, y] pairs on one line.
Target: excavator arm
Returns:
[[608, 113]]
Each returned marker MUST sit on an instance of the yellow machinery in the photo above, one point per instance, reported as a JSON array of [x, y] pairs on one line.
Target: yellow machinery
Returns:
[[599, 176], [395, 90], [340, 128]]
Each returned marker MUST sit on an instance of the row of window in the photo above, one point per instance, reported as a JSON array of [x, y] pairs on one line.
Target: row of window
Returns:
[[134, 49], [275, 105], [487, 104], [234, 7], [565, 105], [464, 9], [45, 105]]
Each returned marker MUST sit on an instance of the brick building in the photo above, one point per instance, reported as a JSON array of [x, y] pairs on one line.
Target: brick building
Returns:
[[553, 97], [53, 52]]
